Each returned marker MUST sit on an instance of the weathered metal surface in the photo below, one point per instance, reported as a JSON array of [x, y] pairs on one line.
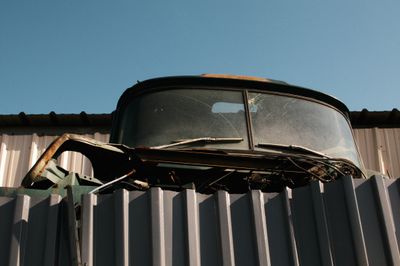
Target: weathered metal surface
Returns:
[[371, 119], [155, 166], [32, 232], [294, 169], [102, 156], [239, 77], [379, 148], [18, 153], [99, 122], [346, 222], [77, 192]]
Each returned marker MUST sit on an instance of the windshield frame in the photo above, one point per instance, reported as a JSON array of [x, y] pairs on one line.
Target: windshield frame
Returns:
[[244, 86], [118, 118]]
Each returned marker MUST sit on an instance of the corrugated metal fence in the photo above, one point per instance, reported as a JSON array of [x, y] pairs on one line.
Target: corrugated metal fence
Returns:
[[379, 148], [347, 222]]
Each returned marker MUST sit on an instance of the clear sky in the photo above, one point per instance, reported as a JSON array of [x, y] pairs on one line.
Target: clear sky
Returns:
[[70, 56]]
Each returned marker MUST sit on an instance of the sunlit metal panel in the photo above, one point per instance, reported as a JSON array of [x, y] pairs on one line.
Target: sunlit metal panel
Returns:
[[346, 222]]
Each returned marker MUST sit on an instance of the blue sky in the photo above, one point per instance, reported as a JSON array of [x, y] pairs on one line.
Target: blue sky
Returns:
[[70, 56]]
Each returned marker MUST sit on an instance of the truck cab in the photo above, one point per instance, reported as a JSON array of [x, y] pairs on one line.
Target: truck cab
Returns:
[[235, 113], [213, 132]]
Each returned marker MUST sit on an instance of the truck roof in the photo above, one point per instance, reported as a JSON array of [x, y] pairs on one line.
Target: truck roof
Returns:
[[224, 81]]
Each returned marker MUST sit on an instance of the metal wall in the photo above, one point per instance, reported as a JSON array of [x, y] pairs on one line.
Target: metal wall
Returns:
[[346, 222], [379, 148], [18, 153]]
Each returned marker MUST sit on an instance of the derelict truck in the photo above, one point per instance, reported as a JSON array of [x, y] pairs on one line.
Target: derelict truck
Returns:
[[208, 170]]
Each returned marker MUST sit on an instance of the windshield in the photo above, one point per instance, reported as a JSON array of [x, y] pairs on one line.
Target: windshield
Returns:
[[287, 121], [174, 115]]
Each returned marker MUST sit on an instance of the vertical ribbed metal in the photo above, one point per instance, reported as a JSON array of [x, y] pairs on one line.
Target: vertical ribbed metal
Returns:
[[321, 224], [289, 224], [73, 235], [88, 203], [260, 227], [355, 221], [387, 221], [18, 153], [349, 221], [192, 228], [33, 153], [50, 247], [225, 228], [19, 230], [121, 228], [3, 161], [380, 149], [157, 226]]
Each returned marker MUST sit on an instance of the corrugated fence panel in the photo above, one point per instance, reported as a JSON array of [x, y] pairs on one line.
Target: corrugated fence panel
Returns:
[[347, 222], [18, 153], [32, 231]]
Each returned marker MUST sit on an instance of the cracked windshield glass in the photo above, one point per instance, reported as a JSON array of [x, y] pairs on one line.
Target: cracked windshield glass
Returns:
[[176, 115], [294, 121], [204, 118]]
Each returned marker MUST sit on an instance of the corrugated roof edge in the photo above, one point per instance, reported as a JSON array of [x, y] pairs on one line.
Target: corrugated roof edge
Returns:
[[359, 119], [53, 119], [366, 119]]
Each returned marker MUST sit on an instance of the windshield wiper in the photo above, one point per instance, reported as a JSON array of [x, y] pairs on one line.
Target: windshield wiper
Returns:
[[205, 140], [292, 147]]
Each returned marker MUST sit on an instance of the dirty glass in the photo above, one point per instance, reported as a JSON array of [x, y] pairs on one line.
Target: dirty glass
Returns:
[[172, 115], [287, 120]]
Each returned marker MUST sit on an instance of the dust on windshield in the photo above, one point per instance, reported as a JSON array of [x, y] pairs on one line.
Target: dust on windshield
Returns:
[[287, 121], [169, 116]]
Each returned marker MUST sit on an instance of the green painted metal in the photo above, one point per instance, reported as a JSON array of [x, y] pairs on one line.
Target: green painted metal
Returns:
[[77, 192]]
